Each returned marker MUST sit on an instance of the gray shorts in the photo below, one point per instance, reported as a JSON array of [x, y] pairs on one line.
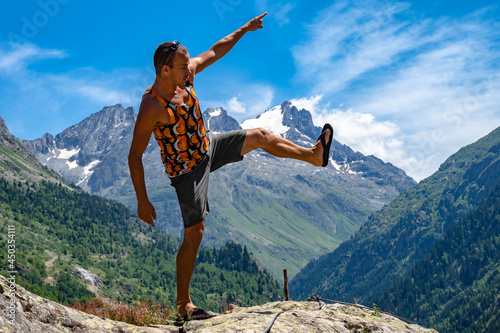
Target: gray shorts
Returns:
[[192, 188]]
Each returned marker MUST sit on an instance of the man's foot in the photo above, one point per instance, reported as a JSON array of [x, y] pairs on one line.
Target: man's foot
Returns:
[[198, 314], [187, 308], [323, 145], [190, 310]]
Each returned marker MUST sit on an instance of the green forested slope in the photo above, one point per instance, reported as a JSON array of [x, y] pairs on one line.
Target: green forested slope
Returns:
[[130, 259], [397, 236], [456, 287]]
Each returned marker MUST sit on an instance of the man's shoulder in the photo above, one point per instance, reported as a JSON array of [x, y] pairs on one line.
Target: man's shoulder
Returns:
[[150, 105]]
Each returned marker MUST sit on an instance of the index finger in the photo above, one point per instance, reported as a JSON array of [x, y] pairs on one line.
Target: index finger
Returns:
[[151, 222], [262, 15]]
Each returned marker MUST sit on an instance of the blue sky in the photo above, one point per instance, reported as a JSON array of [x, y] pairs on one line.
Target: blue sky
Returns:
[[409, 82]]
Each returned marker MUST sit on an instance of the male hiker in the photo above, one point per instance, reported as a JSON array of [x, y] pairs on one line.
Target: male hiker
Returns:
[[170, 110]]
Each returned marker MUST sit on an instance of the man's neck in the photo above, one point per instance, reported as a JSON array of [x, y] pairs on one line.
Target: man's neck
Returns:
[[165, 88]]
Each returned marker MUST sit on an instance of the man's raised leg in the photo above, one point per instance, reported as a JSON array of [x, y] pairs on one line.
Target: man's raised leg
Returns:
[[186, 258], [280, 147]]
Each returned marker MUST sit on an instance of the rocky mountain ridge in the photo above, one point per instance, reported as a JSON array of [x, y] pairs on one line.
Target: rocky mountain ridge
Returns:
[[88, 153], [18, 163]]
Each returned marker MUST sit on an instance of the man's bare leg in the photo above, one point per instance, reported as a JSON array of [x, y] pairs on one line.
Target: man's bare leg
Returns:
[[186, 258], [280, 147]]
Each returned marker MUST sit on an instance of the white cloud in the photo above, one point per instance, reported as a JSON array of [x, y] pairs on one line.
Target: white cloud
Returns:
[[347, 41], [236, 106], [15, 57], [105, 95], [310, 104], [434, 80], [253, 100], [281, 14], [360, 131], [71, 95]]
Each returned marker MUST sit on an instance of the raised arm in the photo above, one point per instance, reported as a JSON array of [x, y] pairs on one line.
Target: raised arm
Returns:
[[223, 46]]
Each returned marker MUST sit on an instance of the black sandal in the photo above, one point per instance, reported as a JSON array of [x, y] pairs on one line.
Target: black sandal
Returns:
[[326, 146], [198, 314]]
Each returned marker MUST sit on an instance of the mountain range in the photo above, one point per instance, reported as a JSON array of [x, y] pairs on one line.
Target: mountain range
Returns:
[[430, 255], [287, 212]]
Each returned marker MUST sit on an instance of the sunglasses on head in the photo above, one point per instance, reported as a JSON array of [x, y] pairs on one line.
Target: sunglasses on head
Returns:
[[173, 47]]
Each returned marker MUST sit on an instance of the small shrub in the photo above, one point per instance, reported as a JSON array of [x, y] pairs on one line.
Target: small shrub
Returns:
[[141, 313]]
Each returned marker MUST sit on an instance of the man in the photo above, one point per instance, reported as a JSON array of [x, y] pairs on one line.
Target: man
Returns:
[[171, 111]]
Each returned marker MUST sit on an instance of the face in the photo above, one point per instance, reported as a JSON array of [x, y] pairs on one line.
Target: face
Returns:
[[179, 73]]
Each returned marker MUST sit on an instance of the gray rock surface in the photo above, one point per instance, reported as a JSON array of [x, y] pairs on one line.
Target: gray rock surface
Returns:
[[32, 313]]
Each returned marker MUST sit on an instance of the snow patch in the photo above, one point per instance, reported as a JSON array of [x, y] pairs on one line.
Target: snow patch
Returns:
[[271, 120], [71, 165], [344, 168], [335, 165], [87, 169], [63, 154], [215, 112]]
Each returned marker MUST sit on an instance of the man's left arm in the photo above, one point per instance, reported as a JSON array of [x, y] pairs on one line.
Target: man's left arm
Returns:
[[223, 46]]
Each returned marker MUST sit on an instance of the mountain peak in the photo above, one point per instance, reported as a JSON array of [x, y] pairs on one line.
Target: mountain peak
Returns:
[[288, 121], [9, 141], [119, 109], [217, 120], [286, 104], [2, 124], [299, 119], [216, 112], [100, 138], [5, 135]]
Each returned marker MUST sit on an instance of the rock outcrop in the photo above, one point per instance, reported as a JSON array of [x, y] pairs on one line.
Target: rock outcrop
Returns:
[[27, 313]]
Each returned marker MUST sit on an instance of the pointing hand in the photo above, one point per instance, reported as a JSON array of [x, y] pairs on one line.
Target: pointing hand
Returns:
[[256, 23]]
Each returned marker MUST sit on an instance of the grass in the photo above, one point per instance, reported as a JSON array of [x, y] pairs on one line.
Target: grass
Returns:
[[141, 313]]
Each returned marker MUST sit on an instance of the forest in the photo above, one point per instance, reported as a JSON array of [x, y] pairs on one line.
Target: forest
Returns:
[[130, 260], [456, 287]]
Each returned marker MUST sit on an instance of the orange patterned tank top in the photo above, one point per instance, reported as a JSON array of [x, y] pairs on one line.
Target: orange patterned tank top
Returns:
[[183, 140]]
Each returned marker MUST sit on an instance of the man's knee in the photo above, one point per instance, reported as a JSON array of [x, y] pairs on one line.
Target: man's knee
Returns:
[[194, 233], [262, 136], [256, 138]]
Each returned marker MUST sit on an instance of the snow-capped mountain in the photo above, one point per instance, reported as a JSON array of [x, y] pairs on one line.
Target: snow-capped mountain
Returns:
[[297, 125], [289, 122], [93, 153], [285, 211]]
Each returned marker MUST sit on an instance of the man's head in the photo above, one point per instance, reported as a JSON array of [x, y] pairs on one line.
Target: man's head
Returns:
[[165, 54]]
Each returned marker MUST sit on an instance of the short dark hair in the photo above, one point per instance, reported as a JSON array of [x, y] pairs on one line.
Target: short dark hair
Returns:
[[164, 55]]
